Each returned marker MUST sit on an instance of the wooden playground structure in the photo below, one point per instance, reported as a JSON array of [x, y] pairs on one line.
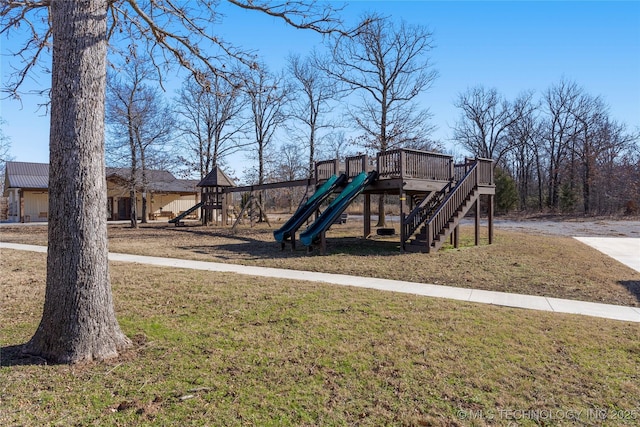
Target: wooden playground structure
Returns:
[[434, 195]]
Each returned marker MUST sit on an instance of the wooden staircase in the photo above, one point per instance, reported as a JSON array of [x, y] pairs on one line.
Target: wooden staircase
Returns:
[[432, 221]]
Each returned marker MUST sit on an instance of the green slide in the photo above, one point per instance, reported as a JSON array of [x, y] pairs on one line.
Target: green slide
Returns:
[[336, 207], [311, 205]]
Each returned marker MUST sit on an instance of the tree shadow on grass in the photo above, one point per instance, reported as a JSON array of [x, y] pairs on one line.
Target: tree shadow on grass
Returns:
[[257, 249], [633, 286], [14, 355]]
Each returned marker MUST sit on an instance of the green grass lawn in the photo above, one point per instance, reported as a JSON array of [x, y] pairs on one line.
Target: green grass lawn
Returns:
[[551, 266], [224, 349]]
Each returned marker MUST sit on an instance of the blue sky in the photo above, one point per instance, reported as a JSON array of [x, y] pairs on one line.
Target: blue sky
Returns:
[[510, 45]]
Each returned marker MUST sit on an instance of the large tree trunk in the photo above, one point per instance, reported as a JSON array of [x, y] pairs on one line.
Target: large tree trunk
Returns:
[[145, 203], [133, 207], [78, 321]]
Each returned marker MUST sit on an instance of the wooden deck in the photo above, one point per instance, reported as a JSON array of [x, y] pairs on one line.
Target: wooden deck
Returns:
[[407, 170], [434, 193]]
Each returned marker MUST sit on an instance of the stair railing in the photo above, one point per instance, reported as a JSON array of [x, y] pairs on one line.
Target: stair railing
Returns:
[[452, 202], [423, 211]]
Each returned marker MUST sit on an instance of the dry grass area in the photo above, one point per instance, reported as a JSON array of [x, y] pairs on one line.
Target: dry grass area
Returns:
[[553, 266], [224, 349]]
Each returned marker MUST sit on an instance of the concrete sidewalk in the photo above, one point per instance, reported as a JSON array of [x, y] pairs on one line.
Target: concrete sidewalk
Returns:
[[607, 311], [624, 250]]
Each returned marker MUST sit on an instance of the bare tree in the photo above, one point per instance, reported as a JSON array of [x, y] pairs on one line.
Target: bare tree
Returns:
[[386, 65], [625, 177], [559, 130], [123, 117], [211, 121], [79, 321], [524, 136], [599, 144], [316, 92], [485, 120], [592, 134], [268, 96], [336, 145], [140, 126], [289, 166], [5, 149]]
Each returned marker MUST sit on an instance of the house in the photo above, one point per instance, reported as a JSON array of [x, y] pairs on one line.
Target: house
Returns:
[[169, 196], [26, 187]]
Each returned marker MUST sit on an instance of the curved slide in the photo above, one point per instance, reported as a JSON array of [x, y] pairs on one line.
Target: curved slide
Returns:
[[336, 207], [305, 211]]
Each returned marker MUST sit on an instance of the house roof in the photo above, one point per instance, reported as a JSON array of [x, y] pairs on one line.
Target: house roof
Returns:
[[159, 181], [175, 186], [216, 178], [153, 176], [36, 176], [27, 175]]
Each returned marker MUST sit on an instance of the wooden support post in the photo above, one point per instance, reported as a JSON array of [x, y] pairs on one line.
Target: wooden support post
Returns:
[[477, 222], [367, 215], [21, 206], [225, 209], [403, 218], [217, 202], [490, 208], [323, 243], [403, 197], [456, 237], [452, 170], [206, 196]]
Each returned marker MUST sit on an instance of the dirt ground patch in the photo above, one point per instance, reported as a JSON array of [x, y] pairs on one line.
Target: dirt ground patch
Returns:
[[574, 227]]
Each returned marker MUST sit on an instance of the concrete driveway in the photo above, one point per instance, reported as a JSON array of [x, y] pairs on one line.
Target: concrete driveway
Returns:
[[623, 249]]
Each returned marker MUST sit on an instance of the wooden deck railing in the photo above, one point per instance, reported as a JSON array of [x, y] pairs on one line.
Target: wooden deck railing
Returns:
[[423, 211], [356, 164], [406, 163], [325, 169], [485, 172], [414, 164]]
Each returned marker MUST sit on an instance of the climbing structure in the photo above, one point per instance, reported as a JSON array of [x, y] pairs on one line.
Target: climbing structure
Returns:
[[434, 195], [214, 203]]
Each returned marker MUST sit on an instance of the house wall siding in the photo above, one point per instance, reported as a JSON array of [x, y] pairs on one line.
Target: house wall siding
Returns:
[[174, 203], [27, 198], [36, 206]]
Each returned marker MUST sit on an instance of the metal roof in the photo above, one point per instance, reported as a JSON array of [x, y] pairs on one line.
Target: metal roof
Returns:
[[27, 175], [216, 178], [152, 175], [36, 176]]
